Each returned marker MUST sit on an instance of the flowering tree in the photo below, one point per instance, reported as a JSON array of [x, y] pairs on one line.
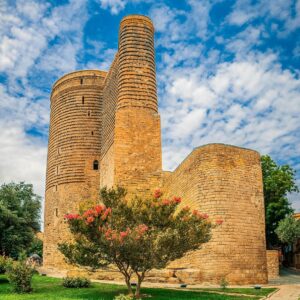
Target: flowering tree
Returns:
[[136, 236]]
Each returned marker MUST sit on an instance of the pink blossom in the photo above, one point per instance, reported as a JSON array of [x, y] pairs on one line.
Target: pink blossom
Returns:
[[157, 193], [204, 216], [123, 234], [90, 220], [99, 209], [106, 213], [142, 228], [187, 208], [177, 199], [166, 202], [219, 222], [88, 213], [196, 212], [72, 216]]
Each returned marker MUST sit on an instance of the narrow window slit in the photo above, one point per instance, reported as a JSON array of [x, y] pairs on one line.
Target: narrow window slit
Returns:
[[95, 165], [82, 99]]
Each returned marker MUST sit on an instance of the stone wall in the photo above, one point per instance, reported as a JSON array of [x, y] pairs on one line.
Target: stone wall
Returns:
[[137, 142], [110, 96], [273, 264], [226, 183]]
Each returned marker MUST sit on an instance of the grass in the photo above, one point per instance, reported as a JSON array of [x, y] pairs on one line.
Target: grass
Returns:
[[51, 288]]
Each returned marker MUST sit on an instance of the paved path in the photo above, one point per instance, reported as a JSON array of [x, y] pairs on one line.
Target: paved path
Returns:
[[287, 292], [289, 285]]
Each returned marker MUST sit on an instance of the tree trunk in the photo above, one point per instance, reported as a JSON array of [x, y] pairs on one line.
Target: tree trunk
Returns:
[[127, 280], [138, 286]]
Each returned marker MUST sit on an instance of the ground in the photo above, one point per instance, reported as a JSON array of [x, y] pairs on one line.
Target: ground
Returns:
[[50, 288]]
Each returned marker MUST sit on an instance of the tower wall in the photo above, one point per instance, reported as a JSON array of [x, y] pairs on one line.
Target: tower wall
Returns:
[[137, 144], [110, 97], [74, 145], [226, 183]]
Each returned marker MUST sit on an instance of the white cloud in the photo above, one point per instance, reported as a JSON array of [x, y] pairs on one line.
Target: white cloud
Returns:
[[286, 12], [28, 53], [116, 6], [253, 104]]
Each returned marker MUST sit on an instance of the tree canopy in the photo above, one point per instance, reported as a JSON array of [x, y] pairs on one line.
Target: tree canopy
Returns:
[[288, 230], [136, 236], [278, 182], [20, 211]]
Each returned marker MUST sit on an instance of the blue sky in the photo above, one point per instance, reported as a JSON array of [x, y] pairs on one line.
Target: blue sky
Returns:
[[227, 72]]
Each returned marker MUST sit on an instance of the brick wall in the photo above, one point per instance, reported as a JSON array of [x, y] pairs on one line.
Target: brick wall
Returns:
[[226, 183], [137, 143], [74, 144], [110, 96], [273, 264]]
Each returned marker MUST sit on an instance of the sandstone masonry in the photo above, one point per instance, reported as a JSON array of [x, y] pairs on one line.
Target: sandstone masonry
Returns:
[[105, 131]]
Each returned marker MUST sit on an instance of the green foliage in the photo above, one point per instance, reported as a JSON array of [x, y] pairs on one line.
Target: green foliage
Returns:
[[278, 182], [223, 283], [123, 297], [76, 282], [4, 261], [19, 276], [36, 247], [136, 235], [288, 230], [19, 217]]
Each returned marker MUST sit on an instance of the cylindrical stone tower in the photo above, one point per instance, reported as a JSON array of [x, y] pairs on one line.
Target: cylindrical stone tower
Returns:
[[73, 154], [137, 128], [226, 183]]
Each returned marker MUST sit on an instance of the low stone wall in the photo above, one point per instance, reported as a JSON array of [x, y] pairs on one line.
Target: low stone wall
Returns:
[[273, 264], [188, 276]]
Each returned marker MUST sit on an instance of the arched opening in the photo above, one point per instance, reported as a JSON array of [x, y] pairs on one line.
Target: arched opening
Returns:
[[95, 165]]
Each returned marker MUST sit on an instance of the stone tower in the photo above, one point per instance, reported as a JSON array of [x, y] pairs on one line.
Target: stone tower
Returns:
[[105, 131], [137, 127], [73, 153]]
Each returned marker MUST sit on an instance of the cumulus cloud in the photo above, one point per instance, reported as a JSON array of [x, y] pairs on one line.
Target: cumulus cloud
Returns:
[[38, 42], [282, 15], [235, 93], [116, 6]]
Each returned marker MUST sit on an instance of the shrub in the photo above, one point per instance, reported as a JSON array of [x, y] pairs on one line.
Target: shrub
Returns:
[[76, 282], [135, 235], [223, 283], [123, 297], [2, 264], [19, 276]]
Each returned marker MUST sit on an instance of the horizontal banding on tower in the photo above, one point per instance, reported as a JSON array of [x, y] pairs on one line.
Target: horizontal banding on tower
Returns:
[[74, 135], [137, 82]]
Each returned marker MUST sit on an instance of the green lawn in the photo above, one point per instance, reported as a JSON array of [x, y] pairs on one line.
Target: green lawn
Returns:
[[50, 288]]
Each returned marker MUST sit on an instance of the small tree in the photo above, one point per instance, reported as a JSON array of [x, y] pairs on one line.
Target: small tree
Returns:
[[135, 236], [278, 182], [20, 211], [288, 230]]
